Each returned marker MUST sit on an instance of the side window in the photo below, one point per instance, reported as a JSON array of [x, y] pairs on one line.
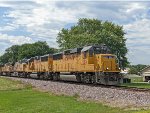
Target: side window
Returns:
[[91, 53], [84, 55]]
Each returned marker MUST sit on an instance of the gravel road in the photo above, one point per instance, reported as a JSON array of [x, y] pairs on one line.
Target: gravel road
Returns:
[[108, 96]]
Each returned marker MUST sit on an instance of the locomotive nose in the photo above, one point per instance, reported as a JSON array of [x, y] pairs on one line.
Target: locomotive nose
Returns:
[[107, 65]]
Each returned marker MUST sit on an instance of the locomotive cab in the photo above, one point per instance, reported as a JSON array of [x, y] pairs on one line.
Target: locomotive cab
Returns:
[[100, 56], [90, 53], [98, 61]]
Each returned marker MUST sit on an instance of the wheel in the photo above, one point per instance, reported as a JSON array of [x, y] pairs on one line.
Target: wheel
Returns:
[[1, 73], [11, 74], [45, 76], [78, 77], [18, 74], [25, 74], [56, 76], [8, 74], [50, 75], [86, 78], [28, 75], [38, 75], [93, 79]]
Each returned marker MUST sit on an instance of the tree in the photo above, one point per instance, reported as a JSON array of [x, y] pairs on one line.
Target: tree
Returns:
[[92, 32], [136, 69], [16, 52], [10, 55], [36, 49]]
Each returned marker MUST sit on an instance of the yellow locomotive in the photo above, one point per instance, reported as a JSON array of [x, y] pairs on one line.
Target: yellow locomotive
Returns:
[[90, 64], [20, 68], [6, 69], [43, 66]]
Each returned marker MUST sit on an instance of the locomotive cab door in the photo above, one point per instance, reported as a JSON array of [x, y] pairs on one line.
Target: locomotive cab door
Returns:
[[84, 57], [90, 56]]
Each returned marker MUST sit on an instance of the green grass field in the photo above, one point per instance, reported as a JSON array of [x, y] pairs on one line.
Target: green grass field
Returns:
[[137, 85], [6, 84], [137, 82], [18, 98], [136, 79]]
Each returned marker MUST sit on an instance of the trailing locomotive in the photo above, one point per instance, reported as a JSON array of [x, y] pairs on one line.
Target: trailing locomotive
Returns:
[[90, 64]]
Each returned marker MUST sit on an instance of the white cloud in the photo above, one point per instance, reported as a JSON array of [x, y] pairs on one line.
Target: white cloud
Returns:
[[45, 21], [7, 28], [138, 42], [138, 32], [13, 40], [134, 7]]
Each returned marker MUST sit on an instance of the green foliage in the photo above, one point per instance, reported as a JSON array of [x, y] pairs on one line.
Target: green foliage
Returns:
[[10, 55], [135, 69], [93, 31], [16, 52]]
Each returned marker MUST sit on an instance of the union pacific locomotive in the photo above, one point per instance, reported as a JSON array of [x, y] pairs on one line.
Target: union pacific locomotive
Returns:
[[90, 64]]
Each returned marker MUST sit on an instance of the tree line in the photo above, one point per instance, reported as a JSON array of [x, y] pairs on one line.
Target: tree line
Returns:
[[136, 69], [19, 52], [85, 32]]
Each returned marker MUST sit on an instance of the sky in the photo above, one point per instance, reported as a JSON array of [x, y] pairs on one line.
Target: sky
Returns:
[[30, 21]]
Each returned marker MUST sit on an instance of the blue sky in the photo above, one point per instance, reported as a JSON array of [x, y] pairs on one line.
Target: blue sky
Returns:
[[30, 21]]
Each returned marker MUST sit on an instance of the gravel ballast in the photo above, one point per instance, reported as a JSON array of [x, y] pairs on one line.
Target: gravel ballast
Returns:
[[112, 97]]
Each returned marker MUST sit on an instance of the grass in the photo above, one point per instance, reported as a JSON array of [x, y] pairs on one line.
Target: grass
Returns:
[[137, 82], [137, 85], [27, 100], [136, 79], [6, 84]]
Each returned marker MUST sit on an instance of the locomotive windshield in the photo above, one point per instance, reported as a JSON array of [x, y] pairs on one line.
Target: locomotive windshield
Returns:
[[101, 50], [97, 50]]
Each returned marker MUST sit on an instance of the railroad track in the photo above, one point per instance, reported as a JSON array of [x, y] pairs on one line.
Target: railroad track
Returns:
[[93, 85]]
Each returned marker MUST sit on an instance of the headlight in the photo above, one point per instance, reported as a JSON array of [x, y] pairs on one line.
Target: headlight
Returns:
[[119, 68], [107, 68]]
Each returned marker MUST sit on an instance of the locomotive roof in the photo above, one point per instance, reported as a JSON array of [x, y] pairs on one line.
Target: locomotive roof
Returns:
[[76, 50], [102, 46], [86, 48], [58, 53], [23, 61], [66, 52], [37, 57], [44, 56], [1, 65], [57, 56], [31, 59], [26, 61], [9, 63]]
